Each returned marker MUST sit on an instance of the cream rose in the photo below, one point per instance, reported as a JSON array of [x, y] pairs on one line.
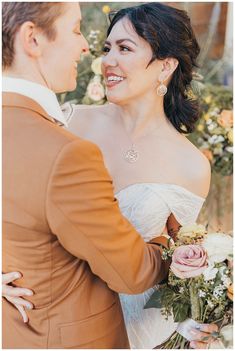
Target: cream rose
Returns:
[[191, 231], [188, 261], [96, 65], [219, 247]]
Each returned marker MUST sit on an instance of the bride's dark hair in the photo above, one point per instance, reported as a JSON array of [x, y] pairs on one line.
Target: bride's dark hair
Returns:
[[169, 33]]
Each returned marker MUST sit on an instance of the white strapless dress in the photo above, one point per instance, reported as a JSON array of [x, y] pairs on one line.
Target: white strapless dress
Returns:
[[147, 206]]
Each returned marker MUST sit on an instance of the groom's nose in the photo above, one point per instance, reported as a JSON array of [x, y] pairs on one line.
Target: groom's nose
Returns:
[[85, 45]]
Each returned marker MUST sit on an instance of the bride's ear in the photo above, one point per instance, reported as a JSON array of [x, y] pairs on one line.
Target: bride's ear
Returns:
[[169, 65]]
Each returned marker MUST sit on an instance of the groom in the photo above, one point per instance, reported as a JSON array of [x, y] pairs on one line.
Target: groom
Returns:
[[62, 227]]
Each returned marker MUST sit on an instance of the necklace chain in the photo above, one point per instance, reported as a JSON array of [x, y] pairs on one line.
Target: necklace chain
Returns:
[[132, 155]]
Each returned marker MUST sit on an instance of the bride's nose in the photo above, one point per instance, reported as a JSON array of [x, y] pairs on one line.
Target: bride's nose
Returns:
[[110, 60]]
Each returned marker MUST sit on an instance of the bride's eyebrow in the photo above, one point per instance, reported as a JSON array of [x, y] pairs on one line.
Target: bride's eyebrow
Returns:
[[120, 41]]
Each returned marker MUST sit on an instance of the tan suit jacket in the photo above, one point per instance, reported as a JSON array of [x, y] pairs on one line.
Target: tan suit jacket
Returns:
[[62, 228]]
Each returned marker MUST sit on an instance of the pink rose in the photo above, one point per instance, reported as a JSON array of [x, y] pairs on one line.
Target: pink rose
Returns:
[[188, 261], [95, 91]]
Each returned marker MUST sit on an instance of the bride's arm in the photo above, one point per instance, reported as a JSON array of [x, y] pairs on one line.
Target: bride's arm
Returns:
[[14, 294], [173, 226]]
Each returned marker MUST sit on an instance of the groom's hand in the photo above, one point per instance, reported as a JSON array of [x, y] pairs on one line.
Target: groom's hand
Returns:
[[12, 294]]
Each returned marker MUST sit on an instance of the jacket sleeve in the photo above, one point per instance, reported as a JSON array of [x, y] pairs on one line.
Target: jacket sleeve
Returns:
[[83, 213]]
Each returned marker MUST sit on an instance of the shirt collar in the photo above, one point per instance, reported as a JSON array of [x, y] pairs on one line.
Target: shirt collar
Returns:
[[45, 97]]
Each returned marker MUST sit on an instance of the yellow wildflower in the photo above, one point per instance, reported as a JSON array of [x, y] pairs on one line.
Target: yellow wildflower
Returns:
[[206, 116], [191, 95], [208, 99], [200, 127], [230, 135], [106, 9]]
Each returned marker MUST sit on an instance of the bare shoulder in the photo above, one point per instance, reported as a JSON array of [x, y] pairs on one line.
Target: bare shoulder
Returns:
[[73, 111], [197, 169], [83, 120]]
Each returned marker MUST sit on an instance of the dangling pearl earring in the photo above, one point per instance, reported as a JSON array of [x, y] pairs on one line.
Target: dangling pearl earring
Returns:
[[162, 89]]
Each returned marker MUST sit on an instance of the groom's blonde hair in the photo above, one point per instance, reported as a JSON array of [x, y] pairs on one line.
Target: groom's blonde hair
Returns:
[[14, 14]]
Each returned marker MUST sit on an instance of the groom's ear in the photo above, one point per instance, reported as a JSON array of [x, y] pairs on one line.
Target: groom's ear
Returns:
[[30, 38]]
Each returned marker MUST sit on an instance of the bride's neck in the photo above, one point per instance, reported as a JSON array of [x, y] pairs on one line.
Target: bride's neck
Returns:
[[141, 117]]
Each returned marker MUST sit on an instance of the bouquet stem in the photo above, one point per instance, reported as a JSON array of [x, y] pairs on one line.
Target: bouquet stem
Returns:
[[195, 303], [175, 341]]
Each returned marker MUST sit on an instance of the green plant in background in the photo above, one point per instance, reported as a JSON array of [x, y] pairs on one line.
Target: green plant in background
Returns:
[[214, 131], [90, 89]]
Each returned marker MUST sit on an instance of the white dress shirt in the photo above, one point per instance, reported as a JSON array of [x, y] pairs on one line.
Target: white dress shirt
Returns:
[[45, 97]]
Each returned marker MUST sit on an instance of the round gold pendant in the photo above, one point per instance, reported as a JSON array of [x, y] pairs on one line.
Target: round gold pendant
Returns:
[[131, 155]]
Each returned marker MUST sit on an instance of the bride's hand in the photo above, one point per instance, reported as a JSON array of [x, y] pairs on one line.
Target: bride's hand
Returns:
[[202, 338], [12, 294], [200, 335]]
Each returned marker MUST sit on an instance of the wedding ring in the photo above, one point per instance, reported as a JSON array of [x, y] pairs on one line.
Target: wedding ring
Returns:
[[198, 327]]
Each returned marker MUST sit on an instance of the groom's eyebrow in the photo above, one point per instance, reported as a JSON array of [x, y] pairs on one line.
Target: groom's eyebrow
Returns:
[[120, 41]]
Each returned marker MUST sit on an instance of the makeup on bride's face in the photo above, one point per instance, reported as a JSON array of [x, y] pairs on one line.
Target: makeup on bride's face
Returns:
[[125, 64]]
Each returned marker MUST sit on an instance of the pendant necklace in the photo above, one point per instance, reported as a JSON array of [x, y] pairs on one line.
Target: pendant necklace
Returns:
[[131, 155]]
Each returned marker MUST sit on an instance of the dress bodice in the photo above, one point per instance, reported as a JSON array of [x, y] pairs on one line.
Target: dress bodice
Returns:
[[148, 205]]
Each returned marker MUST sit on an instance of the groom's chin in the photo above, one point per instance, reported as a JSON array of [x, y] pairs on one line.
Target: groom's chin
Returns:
[[73, 84], [70, 87]]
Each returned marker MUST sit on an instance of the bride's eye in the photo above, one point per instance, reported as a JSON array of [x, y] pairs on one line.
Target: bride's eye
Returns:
[[105, 50], [124, 48]]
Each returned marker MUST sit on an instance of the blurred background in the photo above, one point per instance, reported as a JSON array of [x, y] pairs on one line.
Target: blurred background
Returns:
[[212, 85]]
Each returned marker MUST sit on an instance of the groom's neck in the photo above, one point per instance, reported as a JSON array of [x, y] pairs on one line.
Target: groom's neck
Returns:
[[29, 74]]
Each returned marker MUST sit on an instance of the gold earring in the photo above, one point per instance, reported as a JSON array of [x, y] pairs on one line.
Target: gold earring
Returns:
[[162, 89]]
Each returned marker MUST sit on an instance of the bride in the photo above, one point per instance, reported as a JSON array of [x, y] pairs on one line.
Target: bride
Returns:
[[160, 179]]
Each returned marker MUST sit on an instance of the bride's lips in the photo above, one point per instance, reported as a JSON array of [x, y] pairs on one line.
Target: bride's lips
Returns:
[[112, 80]]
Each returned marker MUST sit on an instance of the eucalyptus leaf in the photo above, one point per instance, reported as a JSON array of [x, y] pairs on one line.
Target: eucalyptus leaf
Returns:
[[155, 300], [180, 311]]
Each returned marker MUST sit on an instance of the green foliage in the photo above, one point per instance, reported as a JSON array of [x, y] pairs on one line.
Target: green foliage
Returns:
[[155, 300], [212, 136], [180, 311]]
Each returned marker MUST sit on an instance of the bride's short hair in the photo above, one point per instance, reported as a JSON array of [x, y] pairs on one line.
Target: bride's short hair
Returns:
[[169, 33], [14, 14]]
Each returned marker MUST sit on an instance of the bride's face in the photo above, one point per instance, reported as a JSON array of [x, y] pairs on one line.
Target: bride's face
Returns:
[[125, 65]]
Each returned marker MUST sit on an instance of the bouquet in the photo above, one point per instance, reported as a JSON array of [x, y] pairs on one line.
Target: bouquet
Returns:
[[199, 284]]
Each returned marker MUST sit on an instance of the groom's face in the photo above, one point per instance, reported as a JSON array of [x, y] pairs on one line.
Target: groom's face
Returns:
[[58, 62]]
